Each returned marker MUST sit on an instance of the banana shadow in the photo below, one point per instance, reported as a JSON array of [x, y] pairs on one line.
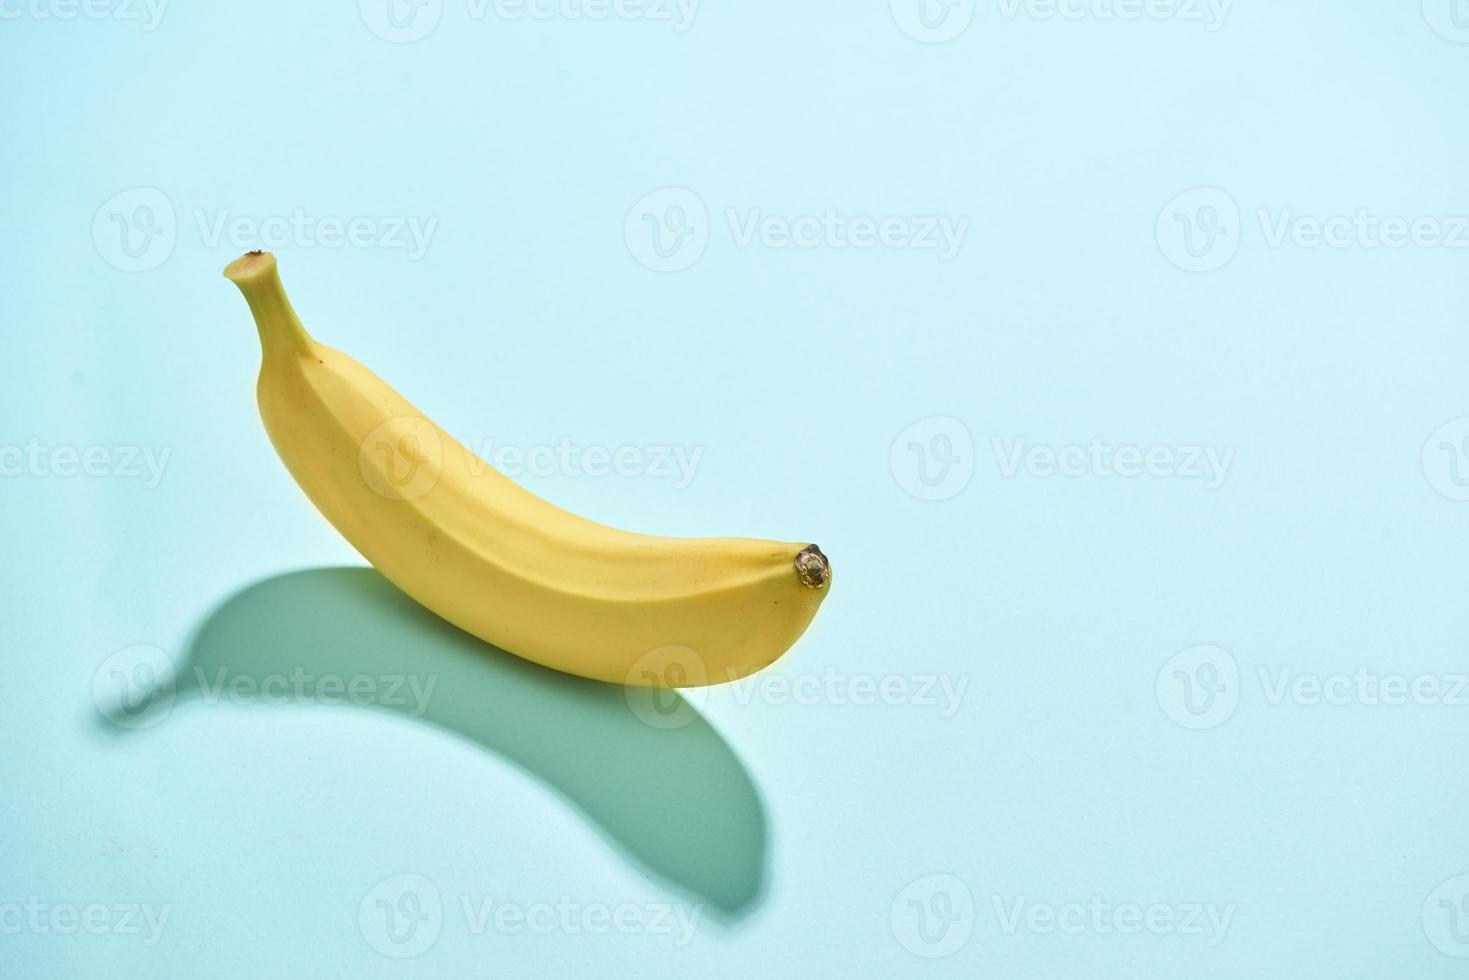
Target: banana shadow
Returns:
[[643, 767]]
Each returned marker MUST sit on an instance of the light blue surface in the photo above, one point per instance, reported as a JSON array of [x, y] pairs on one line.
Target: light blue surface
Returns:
[[1053, 721]]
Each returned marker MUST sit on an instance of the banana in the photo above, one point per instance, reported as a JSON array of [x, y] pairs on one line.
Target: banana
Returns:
[[496, 560]]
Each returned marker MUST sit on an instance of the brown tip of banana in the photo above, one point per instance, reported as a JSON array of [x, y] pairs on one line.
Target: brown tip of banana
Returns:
[[812, 567], [249, 266]]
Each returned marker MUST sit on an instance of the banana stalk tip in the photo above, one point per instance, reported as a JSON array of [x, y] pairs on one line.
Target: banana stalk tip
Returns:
[[812, 567], [249, 266]]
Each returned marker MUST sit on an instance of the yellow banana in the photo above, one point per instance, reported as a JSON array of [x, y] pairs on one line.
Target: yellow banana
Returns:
[[495, 559]]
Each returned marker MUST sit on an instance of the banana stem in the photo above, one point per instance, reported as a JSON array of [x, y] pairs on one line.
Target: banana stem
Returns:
[[280, 329]]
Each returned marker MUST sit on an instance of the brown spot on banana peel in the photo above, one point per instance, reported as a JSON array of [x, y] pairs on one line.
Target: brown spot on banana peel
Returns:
[[812, 567]]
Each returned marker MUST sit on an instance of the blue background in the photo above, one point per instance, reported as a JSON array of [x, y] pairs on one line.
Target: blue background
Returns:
[[822, 385]]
